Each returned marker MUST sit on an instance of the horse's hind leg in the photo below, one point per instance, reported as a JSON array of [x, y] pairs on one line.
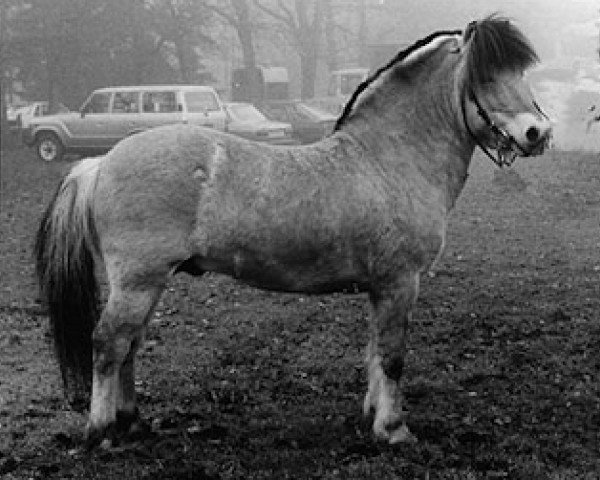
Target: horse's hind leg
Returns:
[[128, 420], [115, 341], [391, 311]]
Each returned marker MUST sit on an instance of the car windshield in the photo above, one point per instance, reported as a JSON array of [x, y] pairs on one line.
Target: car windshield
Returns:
[[246, 113], [198, 102], [314, 112], [97, 103]]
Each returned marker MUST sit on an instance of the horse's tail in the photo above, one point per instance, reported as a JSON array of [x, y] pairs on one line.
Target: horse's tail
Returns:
[[65, 249]]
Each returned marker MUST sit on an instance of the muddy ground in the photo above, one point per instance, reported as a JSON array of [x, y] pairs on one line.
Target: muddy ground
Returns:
[[502, 378]]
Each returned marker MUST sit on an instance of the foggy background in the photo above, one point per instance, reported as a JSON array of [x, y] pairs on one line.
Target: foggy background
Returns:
[[61, 50]]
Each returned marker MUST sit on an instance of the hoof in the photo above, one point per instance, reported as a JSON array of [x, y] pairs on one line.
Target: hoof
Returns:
[[78, 400], [130, 426], [394, 433], [402, 435], [125, 420], [104, 438]]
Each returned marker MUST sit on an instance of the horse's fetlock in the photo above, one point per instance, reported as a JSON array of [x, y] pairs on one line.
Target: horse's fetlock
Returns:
[[393, 367], [126, 418], [101, 436]]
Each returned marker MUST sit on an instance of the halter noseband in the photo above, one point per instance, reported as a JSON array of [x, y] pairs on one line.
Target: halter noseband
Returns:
[[507, 139]]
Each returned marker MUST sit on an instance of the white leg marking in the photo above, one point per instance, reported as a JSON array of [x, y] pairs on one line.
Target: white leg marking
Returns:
[[103, 409], [431, 272], [385, 397]]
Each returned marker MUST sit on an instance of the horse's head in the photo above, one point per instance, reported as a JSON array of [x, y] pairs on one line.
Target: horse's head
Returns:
[[497, 105]]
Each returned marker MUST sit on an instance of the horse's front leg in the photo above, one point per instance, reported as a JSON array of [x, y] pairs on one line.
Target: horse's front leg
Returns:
[[116, 337], [391, 311]]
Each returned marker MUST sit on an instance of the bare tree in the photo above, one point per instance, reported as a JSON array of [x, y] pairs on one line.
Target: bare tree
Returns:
[[237, 14], [303, 24], [330, 36], [4, 66], [183, 25]]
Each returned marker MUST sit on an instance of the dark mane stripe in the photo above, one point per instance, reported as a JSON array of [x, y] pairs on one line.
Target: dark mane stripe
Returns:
[[398, 58], [495, 45]]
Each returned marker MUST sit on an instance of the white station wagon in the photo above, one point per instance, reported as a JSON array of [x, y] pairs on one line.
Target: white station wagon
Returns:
[[112, 113]]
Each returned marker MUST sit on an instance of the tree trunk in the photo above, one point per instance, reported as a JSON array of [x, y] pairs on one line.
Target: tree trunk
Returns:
[[363, 55], [4, 133], [184, 67], [309, 41], [308, 66], [330, 40], [243, 28], [3, 120]]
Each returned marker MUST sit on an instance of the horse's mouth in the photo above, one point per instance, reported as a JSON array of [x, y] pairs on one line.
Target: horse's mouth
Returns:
[[507, 155], [509, 151]]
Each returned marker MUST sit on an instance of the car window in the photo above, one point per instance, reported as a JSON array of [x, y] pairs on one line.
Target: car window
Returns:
[[315, 112], [98, 103], [126, 102], [159, 102], [294, 114], [246, 113], [277, 113], [200, 102]]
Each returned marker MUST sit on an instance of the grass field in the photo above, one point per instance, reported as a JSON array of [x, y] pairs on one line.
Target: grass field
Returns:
[[502, 377]]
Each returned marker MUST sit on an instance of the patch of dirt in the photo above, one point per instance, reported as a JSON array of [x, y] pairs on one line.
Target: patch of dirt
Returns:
[[502, 376]]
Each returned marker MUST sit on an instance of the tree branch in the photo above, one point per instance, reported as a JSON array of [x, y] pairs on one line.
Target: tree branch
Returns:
[[288, 18], [228, 17]]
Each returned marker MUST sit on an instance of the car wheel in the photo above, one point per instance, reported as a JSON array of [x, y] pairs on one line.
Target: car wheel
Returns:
[[48, 147]]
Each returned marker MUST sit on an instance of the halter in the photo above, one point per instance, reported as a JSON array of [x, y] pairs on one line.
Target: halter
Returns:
[[506, 138]]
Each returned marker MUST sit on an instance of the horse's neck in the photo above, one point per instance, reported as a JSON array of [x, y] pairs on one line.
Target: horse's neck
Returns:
[[400, 124]]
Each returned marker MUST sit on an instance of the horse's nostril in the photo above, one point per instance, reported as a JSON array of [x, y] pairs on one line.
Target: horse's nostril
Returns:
[[532, 134]]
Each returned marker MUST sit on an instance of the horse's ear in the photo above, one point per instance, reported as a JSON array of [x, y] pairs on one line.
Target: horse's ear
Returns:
[[457, 45], [470, 31]]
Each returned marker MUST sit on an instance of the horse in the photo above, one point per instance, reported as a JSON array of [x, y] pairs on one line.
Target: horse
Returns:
[[364, 209]]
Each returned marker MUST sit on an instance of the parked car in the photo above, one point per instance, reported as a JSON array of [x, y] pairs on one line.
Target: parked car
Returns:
[[24, 115], [112, 113], [309, 123], [245, 120], [11, 114]]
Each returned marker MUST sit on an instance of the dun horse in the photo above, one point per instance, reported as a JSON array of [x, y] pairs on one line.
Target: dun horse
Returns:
[[364, 208]]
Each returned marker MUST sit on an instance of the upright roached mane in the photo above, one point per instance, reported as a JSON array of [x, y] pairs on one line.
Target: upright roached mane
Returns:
[[365, 206]]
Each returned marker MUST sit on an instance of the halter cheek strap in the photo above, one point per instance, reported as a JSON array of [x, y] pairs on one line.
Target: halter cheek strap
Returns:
[[486, 118]]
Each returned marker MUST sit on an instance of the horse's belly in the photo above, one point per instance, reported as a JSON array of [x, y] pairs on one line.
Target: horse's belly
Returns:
[[310, 277]]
